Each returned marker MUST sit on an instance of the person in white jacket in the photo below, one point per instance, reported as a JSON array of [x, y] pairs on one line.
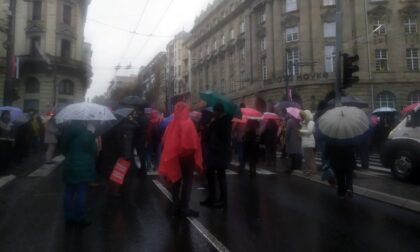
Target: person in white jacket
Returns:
[[308, 141]]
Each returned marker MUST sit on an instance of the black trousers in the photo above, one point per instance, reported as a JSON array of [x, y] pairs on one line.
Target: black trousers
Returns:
[[181, 190], [344, 175], [295, 161], [6, 152], [217, 171]]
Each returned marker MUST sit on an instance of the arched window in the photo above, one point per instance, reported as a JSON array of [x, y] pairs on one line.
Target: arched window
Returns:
[[414, 97], [32, 86], [385, 99], [66, 87]]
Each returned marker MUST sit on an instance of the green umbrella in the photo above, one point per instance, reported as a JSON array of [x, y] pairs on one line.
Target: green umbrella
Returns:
[[214, 97]]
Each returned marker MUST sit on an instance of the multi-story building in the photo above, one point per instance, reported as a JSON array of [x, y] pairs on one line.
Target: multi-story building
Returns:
[[152, 81], [4, 6], [252, 49], [178, 67], [54, 60]]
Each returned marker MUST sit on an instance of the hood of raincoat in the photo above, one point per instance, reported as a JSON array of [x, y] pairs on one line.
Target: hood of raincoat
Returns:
[[182, 111]]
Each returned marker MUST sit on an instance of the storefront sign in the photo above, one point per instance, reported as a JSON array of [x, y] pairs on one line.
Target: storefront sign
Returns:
[[305, 77]]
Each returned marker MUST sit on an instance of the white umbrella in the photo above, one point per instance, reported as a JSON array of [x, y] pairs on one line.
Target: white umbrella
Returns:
[[344, 124], [84, 112], [384, 110]]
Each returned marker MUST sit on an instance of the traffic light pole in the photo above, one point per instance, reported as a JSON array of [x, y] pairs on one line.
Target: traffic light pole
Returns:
[[338, 51], [8, 82]]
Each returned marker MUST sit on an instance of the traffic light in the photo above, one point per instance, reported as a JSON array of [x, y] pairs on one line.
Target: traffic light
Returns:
[[349, 67]]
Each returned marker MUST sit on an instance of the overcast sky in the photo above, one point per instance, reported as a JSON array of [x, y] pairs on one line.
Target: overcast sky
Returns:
[[108, 25]]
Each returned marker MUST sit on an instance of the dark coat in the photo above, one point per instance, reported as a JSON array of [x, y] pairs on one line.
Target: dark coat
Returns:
[[293, 139], [340, 157], [218, 141], [79, 148], [251, 145]]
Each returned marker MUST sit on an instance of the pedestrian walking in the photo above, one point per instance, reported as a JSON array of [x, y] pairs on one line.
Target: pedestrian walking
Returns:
[[293, 144], [180, 157], [139, 140], [342, 160], [238, 132], [6, 140], [270, 139], [308, 141], [251, 146], [218, 156], [80, 150], [37, 132], [50, 139]]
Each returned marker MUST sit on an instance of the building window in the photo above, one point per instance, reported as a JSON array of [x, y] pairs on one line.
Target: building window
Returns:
[[242, 55], [66, 87], [292, 55], [264, 69], [232, 34], [292, 34], [65, 49], [35, 43], [291, 5], [263, 44], [32, 86], [242, 26], [223, 39], [329, 54], [410, 25], [67, 14], [379, 27], [328, 2], [329, 30], [261, 17], [414, 97], [412, 55], [215, 45], [31, 105], [385, 99], [381, 56], [36, 10]]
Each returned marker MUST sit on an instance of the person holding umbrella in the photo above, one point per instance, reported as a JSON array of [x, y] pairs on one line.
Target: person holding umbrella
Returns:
[[293, 140], [308, 141], [343, 128], [181, 155]]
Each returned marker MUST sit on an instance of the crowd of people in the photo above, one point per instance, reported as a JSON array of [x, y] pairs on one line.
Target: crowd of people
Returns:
[[204, 141]]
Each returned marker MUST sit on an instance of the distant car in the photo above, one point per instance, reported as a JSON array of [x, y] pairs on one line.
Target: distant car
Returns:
[[401, 152]]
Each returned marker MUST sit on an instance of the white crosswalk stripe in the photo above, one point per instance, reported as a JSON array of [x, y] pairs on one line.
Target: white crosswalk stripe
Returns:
[[46, 169]]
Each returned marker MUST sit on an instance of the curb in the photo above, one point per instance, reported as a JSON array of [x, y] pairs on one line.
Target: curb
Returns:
[[6, 180], [372, 194]]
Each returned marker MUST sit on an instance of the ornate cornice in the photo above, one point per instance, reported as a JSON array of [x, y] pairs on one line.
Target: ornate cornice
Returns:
[[290, 21], [410, 11], [380, 12], [35, 27]]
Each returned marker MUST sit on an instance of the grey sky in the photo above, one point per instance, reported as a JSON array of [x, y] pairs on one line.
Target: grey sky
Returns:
[[109, 43]]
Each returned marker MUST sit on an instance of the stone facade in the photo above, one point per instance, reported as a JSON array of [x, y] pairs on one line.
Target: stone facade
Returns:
[[54, 60], [4, 6], [251, 49]]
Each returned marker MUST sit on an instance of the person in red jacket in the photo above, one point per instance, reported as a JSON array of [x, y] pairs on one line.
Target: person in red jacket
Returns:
[[180, 157]]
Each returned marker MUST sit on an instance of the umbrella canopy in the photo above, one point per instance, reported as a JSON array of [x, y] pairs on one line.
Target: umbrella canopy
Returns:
[[295, 112], [286, 104], [250, 112], [15, 112], [350, 101], [271, 116], [84, 112], [123, 112], [214, 97], [384, 110], [344, 125], [133, 100], [409, 108], [22, 119]]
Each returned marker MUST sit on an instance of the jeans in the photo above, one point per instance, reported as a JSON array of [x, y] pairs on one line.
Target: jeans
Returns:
[[75, 202]]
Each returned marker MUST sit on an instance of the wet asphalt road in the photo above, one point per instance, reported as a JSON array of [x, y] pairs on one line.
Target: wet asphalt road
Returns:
[[269, 213]]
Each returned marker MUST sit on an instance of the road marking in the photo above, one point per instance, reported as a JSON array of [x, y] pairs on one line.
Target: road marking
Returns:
[[203, 230], [46, 169], [6, 180], [260, 171], [156, 173]]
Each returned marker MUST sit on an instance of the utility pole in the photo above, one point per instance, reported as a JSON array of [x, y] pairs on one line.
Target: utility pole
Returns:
[[338, 51], [8, 82]]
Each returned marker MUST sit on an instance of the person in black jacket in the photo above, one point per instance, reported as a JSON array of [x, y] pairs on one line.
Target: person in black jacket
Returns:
[[217, 142], [251, 146]]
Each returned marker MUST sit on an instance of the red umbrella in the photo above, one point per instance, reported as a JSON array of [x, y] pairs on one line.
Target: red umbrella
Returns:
[[409, 108], [250, 112], [271, 116]]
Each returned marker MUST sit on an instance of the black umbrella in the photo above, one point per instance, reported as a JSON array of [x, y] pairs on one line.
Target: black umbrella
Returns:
[[120, 114], [133, 100]]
